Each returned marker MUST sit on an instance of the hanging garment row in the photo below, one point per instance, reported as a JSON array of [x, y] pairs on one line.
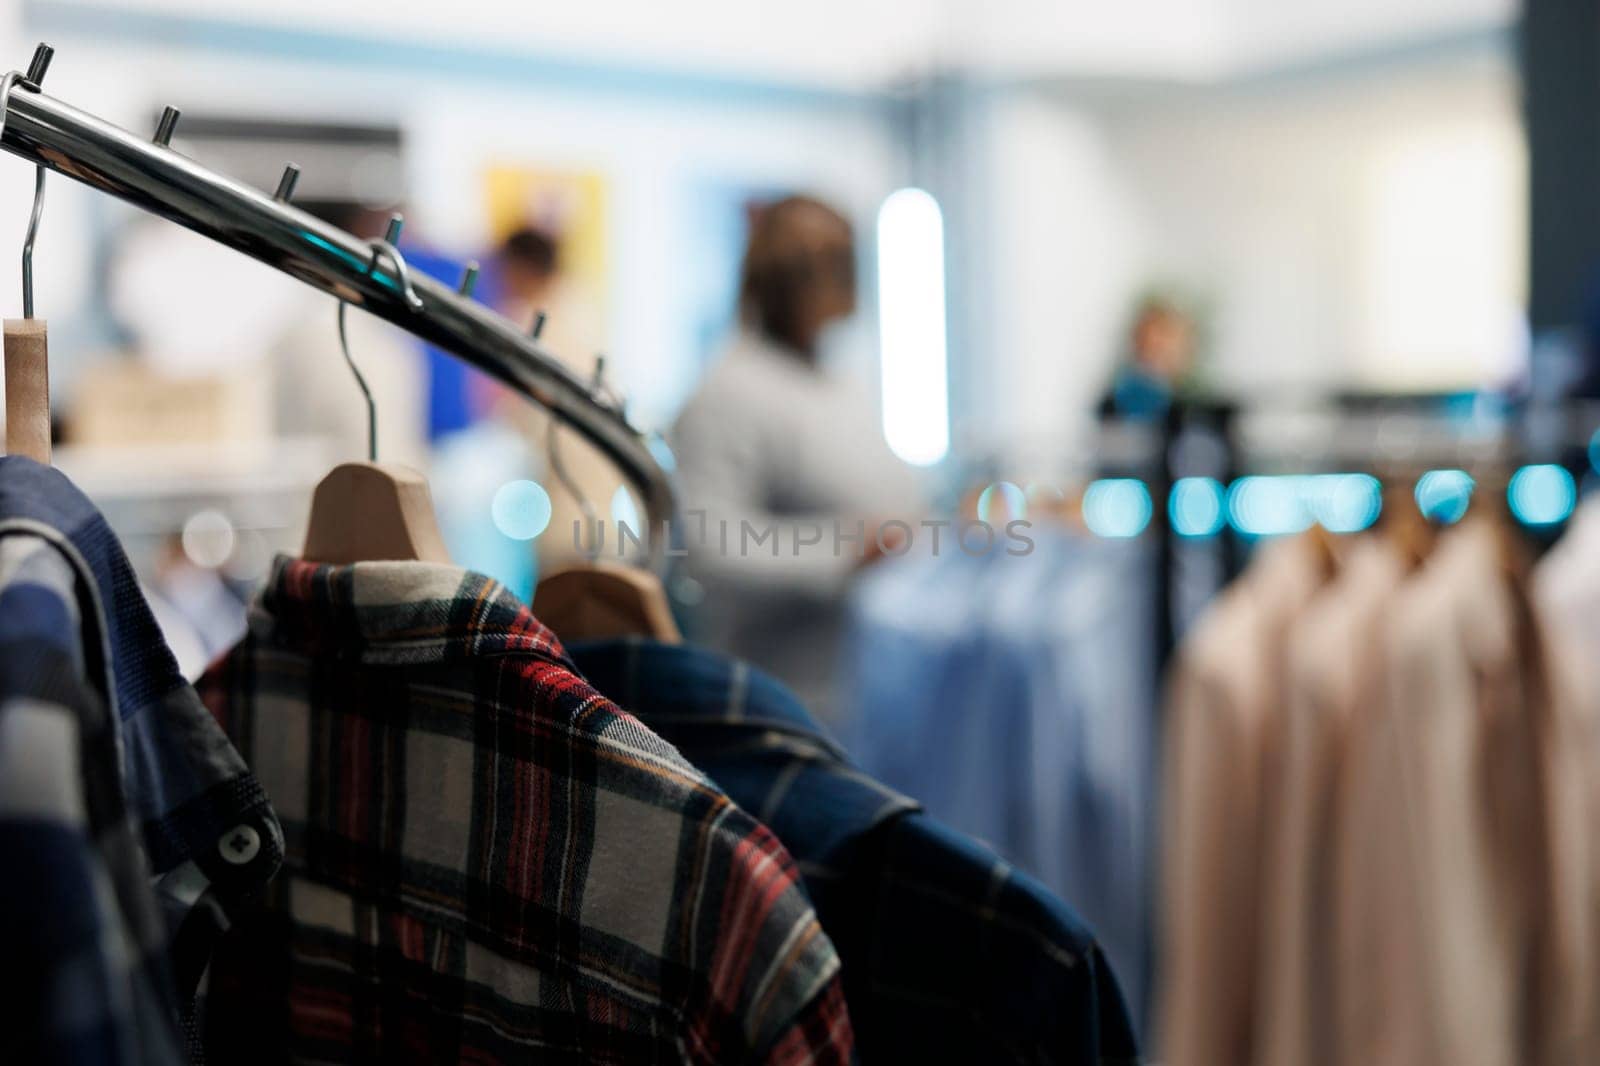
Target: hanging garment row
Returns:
[[401, 821], [1379, 821]]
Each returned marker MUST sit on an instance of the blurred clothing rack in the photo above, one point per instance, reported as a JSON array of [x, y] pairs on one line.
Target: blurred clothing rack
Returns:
[[1226, 440], [155, 178]]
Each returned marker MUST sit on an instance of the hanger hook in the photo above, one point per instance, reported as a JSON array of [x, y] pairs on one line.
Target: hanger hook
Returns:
[[591, 517], [9, 83], [387, 243], [403, 273], [366, 390], [27, 244]]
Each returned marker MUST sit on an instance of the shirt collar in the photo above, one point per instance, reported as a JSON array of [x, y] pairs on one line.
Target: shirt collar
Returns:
[[135, 664], [397, 612], [716, 709], [671, 687]]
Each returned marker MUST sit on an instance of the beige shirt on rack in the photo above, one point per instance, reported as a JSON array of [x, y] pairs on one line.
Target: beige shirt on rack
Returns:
[[1463, 914], [1331, 671], [1226, 699]]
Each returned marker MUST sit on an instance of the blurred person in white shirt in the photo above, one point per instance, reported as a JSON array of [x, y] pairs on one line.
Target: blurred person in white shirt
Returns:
[[772, 441]]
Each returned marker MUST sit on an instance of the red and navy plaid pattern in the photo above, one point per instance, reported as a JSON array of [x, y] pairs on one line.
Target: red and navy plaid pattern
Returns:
[[486, 859]]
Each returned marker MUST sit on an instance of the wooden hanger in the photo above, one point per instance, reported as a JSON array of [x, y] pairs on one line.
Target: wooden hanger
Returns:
[[595, 599], [363, 512], [1325, 550], [600, 600], [1407, 530], [27, 388]]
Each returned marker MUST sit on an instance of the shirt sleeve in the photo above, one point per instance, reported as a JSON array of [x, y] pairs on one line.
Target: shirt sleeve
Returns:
[[76, 915], [1207, 893], [774, 993]]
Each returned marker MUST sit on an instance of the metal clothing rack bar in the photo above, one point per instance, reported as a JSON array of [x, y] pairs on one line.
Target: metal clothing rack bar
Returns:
[[155, 178]]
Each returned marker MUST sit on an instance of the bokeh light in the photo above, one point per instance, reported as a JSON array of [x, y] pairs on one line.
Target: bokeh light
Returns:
[[1267, 506], [1343, 503], [1196, 506], [1444, 495], [1002, 502], [662, 452], [208, 538], [1271, 506], [624, 512], [521, 509], [1542, 495], [1116, 507]]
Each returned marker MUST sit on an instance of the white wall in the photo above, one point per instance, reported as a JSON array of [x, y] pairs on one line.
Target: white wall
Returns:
[[1357, 229], [1363, 230], [1264, 33], [1065, 248]]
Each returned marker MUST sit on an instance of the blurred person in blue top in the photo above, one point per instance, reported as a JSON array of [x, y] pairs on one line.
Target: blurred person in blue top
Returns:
[[1159, 363], [774, 442]]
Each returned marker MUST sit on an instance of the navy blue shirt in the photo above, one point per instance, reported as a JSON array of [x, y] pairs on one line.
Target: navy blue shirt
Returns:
[[130, 829], [950, 954]]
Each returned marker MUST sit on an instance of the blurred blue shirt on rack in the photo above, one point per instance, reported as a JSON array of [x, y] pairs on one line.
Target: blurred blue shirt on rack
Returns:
[[1015, 697]]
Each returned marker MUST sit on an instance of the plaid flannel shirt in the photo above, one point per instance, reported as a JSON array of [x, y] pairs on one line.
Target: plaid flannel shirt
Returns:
[[488, 860], [129, 827], [950, 954]]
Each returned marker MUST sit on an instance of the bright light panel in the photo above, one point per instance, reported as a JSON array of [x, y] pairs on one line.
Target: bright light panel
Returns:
[[916, 402]]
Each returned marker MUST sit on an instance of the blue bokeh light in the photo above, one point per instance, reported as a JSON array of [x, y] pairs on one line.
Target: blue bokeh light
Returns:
[[1271, 506], [520, 509], [1542, 495], [1011, 505], [1267, 506], [1444, 495], [1195, 507], [1594, 450], [1117, 507], [1342, 503], [624, 512], [662, 452]]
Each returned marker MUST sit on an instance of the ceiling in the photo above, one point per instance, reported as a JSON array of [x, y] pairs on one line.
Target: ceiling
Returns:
[[854, 45]]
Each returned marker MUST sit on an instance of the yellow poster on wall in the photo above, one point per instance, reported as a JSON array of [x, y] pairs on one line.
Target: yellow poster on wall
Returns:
[[568, 205]]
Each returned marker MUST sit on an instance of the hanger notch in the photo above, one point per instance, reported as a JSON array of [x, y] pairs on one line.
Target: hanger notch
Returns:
[[167, 126], [286, 184], [42, 55]]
